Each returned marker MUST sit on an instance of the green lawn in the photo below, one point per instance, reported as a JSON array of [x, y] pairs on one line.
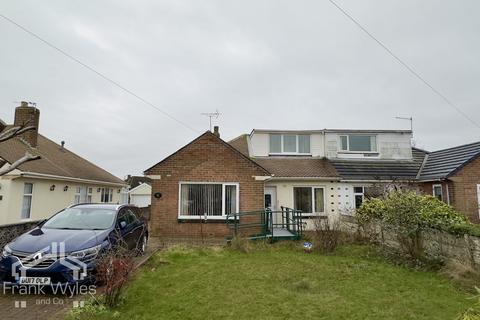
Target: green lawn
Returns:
[[282, 282]]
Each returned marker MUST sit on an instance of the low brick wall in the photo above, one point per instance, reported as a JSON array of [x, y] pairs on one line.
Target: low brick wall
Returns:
[[464, 249], [9, 232]]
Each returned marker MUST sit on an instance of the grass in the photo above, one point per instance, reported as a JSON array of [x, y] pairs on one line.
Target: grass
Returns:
[[282, 282]]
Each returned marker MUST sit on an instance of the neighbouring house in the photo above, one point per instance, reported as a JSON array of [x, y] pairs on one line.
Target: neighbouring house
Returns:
[[40, 188], [139, 191], [453, 176]]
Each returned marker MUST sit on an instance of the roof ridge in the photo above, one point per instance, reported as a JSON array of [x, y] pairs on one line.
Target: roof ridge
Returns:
[[460, 146], [81, 158], [243, 135], [219, 139]]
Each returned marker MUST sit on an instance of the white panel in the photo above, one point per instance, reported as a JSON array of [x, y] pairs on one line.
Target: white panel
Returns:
[[140, 200], [259, 143], [345, 199], [316, 145]]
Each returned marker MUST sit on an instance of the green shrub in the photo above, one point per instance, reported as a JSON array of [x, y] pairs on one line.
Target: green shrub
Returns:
[[415, 212], [439, 215], [371, 209], [406, 214], [465, 228]]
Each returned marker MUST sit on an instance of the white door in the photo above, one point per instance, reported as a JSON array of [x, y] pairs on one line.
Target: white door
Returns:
[[478, 196], [271, 203]]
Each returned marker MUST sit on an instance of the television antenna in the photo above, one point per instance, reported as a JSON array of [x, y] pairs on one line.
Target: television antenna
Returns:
[[211, 115]]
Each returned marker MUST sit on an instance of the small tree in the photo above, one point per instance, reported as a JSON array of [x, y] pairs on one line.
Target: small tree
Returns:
[[11, 133], [114, 268]]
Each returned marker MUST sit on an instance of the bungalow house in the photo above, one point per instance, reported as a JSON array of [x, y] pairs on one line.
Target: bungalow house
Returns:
[[38, 189], [453, 176], [320, 172]]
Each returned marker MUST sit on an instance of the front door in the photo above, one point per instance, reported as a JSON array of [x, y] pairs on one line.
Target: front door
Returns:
[[478, 196], [271, 202]]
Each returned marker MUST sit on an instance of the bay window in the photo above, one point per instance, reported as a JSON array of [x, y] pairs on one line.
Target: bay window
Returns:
[[213, 200], [310, 200], [358, 143], [289, 144]]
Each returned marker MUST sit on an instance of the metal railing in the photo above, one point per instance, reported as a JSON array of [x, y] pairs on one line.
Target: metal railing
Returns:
[[263, 224]]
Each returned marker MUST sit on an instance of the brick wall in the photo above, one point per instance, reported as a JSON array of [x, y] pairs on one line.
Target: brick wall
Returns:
[[206, 159], [465, 190], [9, 232], [427, 188]]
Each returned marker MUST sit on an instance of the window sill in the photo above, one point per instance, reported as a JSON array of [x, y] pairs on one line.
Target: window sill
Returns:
[[319, 214], [290, 154], [359, 152], [187, 219]]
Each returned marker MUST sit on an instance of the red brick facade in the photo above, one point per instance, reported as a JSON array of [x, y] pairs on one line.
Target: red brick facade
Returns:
[[206, 159], [462, 189]]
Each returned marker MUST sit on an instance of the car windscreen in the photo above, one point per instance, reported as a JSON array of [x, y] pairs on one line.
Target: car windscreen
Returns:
[[82, 219]]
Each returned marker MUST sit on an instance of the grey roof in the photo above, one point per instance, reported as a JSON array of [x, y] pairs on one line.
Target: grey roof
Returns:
[[299, 167], [381, 169], [443, 163]]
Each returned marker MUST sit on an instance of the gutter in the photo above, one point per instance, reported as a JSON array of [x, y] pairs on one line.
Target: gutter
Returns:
[[71, 179], [305, 178]]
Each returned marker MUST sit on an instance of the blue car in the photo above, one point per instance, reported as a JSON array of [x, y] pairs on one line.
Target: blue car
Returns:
[[64, 249]]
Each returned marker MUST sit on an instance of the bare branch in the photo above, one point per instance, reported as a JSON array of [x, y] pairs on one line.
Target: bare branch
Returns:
[[15, 131], [26, 158]]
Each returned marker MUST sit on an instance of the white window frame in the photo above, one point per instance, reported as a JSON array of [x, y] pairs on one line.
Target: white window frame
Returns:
[[89, 194], [223, 216], [110, 195], [31, 202], [441, 190], [348, 143], [355, 194], [314, 209], [78, 193], [296, 153]]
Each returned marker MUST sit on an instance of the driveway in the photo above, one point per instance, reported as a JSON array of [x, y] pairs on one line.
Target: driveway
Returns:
[[46, 305]]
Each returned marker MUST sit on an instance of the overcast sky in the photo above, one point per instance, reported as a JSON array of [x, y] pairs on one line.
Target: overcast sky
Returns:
[[262, 64]]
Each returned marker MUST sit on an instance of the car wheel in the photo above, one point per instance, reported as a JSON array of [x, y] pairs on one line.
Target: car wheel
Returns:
[[143, 245]]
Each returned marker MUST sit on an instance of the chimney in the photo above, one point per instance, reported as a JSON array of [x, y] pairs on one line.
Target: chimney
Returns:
[[26, 115], [62, 145], [215, 131]]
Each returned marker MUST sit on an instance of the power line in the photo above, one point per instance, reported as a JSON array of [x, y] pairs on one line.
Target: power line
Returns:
[[409, 68], [98, 73]]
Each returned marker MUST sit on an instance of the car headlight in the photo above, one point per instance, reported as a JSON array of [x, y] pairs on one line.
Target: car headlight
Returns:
[[86, 254], [6, 251]]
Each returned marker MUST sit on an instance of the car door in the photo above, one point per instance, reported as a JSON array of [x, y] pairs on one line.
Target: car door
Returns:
[[138, 229], [125, 228]]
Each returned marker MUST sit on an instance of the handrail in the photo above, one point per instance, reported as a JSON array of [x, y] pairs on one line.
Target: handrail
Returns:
[[291, 221]]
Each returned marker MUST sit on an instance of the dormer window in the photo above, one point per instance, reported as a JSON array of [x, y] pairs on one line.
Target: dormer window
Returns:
[[290, 144], [358, 143]]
